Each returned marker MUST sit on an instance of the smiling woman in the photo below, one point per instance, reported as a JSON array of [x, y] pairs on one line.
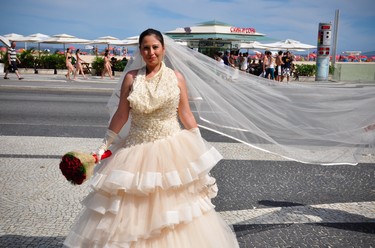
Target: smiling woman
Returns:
[[155, 191]]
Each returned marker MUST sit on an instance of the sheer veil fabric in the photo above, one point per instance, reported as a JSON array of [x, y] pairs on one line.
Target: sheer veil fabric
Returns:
[[306, 123]]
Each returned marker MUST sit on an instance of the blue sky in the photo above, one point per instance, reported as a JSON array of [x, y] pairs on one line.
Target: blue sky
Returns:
[[279, 19]]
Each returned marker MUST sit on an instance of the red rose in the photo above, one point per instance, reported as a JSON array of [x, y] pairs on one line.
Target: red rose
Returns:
[[77, 167]]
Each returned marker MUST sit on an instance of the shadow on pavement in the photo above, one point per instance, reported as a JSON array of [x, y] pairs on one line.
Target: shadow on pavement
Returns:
[[308, 215], [13, 241]]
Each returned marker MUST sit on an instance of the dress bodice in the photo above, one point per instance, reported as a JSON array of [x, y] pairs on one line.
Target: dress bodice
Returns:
[[153, 104]]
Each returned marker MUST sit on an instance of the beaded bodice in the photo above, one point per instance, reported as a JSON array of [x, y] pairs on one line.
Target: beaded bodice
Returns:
[[153, 104]]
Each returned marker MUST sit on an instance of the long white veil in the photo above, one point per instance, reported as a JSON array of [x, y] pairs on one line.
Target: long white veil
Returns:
[[309, 123]]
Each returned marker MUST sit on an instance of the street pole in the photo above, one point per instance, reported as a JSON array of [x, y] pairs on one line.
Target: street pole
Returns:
[[335, 34]]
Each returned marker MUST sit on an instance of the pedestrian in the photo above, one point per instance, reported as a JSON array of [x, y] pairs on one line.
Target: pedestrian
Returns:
[[269, 65], [244, 62], [107, 66], [279, 65], [79, 67], [153, 191], [232, 60], [12, 61], [287, 69], [218, 58], [69, 63], [226, 57]]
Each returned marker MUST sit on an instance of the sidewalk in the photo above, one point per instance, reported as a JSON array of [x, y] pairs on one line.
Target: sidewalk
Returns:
[[48, 82], [38, 205]]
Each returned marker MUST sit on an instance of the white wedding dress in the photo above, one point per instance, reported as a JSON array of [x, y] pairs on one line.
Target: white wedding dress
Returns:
[[155, 190]]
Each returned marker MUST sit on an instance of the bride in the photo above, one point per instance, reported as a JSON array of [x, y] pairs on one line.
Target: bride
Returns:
[[155, 191]]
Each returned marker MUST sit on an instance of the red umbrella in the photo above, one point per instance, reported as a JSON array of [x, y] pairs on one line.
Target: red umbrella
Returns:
[[312, 55], [72, 48]]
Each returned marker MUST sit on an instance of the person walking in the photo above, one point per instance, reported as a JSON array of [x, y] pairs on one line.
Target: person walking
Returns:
[[12, 62], [107, 67], [155, 190], [79, 68], [68, 63]]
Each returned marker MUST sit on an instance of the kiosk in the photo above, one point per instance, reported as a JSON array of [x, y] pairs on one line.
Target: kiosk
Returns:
[[323, 51]]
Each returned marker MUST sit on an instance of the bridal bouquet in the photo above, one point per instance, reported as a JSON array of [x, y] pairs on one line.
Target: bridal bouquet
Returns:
[[77, 167]]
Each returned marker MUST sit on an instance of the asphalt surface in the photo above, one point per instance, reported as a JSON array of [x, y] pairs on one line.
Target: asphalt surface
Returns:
[[269, 202]]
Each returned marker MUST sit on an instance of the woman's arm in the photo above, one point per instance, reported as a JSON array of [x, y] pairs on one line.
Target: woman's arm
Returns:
[[122, 113], [184, 111]]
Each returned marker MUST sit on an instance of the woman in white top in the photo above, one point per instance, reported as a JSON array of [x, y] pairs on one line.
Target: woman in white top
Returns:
[[269, 63], [244, 62]]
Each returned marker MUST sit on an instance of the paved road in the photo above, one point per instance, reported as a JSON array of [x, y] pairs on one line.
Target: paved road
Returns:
[[269, 201]]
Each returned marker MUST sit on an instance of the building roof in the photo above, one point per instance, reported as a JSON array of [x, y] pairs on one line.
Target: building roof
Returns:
[[217, 30]]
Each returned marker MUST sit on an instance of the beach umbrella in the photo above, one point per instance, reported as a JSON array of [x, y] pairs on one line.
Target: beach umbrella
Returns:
[[108, 40], [251, 45], [288, 44], [65, 39], [14, 37], [131, 41], [5, 41], [312, 55], [36, 38]]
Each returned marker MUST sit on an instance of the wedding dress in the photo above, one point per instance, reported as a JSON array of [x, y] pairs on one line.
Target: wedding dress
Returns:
[[155, 190]]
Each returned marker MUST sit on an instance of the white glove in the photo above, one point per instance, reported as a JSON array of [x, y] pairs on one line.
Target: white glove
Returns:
[[195, 130], [109, 137]]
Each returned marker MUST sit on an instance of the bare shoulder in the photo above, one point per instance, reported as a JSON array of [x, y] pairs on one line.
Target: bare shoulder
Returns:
[[130, 76], [180, 77], [128, 80]]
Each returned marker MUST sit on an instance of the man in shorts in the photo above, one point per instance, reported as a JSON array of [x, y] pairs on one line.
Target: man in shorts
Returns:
[[287, 60], [12, 60], [279, 65]]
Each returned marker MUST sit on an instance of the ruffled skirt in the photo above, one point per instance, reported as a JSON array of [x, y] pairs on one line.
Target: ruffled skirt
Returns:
[[156, 194]]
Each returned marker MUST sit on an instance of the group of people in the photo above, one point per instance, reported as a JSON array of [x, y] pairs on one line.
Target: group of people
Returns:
[[74, 64], [69, 58], [269, 66], [281, 64]]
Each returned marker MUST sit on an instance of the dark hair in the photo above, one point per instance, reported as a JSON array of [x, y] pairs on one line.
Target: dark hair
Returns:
[[77, 51], [148, 32]]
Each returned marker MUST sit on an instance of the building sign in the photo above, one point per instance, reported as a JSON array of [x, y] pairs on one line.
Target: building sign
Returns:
[[242, 30]]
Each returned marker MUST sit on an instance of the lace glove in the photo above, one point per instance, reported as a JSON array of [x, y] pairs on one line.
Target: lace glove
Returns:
[[109, 137], [195, 130]]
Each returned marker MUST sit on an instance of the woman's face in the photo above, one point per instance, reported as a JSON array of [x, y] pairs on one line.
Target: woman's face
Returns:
[[152, 50]]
